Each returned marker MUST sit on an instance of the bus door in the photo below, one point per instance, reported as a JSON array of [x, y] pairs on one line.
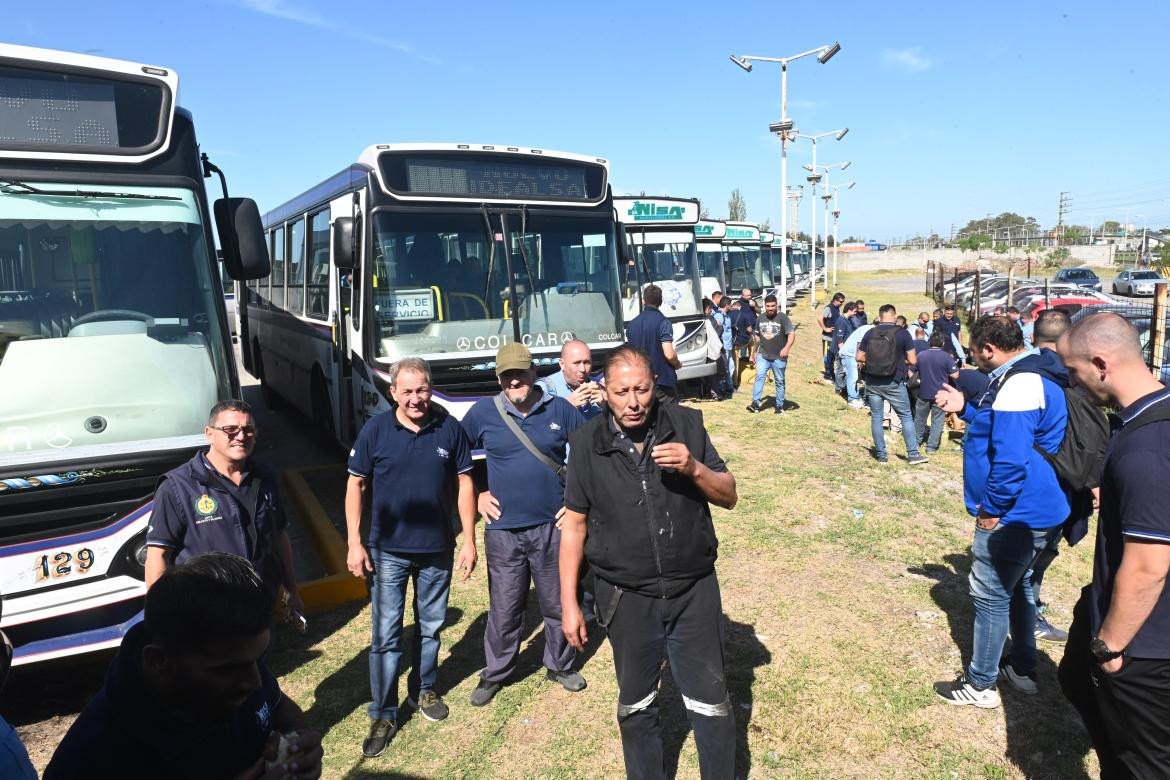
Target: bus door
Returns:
[[345, 322]]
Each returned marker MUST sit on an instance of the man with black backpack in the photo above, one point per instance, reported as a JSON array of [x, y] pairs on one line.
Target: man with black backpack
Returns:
[[1016, 498], [882, 357], [1116, 665]]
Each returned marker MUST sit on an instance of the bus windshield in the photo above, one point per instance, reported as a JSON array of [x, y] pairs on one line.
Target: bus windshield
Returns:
[[666, 260], [109, 331], [711, 260], [743, 267], [441, 282]]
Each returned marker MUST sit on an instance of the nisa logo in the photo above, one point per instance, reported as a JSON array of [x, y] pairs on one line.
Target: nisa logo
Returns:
[[704, 230], [734, 232], [652, 211]]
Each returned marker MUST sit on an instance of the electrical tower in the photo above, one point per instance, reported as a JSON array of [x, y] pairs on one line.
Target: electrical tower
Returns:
[[1065, 201], [794, 196]]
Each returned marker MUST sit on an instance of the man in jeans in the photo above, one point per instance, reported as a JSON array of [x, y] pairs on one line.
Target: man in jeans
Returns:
[[882, 356], [934, 367], [1016, 499], [848, 355], [728, 342], [842, 330], [774, 336], [827, 321], [417, 459]]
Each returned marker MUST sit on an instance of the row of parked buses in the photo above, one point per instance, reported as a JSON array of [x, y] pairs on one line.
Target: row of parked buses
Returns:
[[108, 269]]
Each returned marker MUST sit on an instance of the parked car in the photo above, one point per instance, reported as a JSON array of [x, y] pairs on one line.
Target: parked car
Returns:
[[1137, 281], [1081, 277], [1070, 304]]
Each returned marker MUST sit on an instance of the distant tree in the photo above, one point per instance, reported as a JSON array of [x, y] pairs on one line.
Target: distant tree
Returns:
[[736, 206], [704, 212], [1110, 227], [974, 242], [767, 226], [1008, 219]]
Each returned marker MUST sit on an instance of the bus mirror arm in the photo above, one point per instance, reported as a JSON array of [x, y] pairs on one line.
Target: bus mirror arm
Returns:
[[344, 246], [241, 234]]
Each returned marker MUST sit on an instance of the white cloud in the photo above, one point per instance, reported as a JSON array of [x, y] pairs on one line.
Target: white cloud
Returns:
[[910, 60], [282, 9]]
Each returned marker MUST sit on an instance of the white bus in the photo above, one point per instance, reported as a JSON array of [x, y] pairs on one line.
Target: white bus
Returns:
[[660, 237], [439, 251], [741, 253], [114, 341], [709, 235]]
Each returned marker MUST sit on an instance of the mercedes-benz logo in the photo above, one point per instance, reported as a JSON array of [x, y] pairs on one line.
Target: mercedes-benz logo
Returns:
[[463, 343]]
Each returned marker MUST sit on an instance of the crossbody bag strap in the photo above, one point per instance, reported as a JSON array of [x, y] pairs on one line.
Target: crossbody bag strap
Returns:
[[558, 468]]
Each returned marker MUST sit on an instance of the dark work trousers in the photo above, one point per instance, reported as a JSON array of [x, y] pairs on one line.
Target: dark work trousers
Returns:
[[514, 558], [666, 394], [690, 628], [1127, 714]]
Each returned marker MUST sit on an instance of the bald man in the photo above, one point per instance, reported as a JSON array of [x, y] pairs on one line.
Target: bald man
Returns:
[[1116, 665], [572, 382]]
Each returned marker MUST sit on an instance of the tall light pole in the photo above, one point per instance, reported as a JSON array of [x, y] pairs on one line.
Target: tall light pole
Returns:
[[836, 222], [826, 168], [784, 129], [813, 179], [1138, 256]]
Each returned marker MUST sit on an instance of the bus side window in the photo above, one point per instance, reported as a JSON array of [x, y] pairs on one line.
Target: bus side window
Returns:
[[317, 285], [277, 298]]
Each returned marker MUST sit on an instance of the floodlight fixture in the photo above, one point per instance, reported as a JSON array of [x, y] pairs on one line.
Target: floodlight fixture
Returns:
[[743, 63], [828, 53], [783, 126], [841, 133]]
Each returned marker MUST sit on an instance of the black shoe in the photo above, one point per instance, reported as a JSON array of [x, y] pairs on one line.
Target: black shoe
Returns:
[[571, 681], [484, 692], [779, 410], [754, 407], [432, 706], [381, 732]]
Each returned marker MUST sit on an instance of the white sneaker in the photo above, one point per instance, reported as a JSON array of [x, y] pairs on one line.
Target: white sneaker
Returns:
[[962, 692], [1021, 683], [857, 404]]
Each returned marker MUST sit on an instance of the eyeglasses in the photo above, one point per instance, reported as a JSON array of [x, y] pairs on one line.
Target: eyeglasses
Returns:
[[231, 431]]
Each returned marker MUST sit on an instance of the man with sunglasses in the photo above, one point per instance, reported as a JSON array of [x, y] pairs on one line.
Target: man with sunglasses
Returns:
[[223, 501]]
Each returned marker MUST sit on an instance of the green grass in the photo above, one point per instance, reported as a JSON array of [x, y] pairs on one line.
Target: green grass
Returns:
[[831, 647]]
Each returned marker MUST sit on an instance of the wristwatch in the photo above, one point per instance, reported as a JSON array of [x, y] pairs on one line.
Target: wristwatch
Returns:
[[1101, 651]]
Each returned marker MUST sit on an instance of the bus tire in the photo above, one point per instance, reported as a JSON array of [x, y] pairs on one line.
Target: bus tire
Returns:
[[271, 399], [322, 409]]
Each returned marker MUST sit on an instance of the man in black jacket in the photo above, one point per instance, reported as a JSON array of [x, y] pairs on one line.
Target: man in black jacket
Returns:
[[636, 507]]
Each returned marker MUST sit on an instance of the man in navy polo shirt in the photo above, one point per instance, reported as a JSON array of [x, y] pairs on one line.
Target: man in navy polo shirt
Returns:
[[651, 332], [522, 507], [934, 365], [188, 694], [223, 501], [883, 355], [1116, 665], [417, 460]]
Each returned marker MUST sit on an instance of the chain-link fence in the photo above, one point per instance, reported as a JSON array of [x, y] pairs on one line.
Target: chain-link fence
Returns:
[[975, 291]]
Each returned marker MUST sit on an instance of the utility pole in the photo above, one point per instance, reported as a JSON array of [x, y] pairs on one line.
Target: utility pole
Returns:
[[1065, 200]]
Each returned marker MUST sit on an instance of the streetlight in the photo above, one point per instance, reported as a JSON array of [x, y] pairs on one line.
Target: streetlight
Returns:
[[826, 168], [784, 128], [813, 178], [1143, 244], [836, 221]]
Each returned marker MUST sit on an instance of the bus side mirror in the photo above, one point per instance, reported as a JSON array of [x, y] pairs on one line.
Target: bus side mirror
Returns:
[[344, 245], [241, 235]]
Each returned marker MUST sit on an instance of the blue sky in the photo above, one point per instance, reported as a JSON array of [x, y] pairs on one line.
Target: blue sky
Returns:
[[953, 112]]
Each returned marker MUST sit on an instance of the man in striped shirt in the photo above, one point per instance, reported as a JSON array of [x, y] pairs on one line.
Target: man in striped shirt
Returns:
[[1116, 666]]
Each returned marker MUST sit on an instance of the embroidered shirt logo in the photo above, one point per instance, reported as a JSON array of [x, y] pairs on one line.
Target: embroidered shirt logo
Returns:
[[206, 505], [552, 426], [442, 452]]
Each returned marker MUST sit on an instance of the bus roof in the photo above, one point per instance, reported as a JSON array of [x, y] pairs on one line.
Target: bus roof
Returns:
[[767, 237], [487, 173], [656, 210], [105, 110]]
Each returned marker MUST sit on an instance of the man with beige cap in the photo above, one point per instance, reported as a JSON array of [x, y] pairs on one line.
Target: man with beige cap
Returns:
[[524, 432]]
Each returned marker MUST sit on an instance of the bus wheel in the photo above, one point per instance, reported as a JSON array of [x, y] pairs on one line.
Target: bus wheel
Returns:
[[322, 410], [271, 399]]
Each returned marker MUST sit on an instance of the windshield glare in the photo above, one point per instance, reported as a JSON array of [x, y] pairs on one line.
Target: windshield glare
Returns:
[[668, 265], [441, 285], [711, 261], [109, 329]]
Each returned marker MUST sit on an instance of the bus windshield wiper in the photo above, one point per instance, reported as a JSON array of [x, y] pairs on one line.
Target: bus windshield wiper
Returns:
[[527, 265], [14, 187]]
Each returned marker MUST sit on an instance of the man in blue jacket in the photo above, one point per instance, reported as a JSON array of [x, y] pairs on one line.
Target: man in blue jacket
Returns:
[[1017, 502]]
